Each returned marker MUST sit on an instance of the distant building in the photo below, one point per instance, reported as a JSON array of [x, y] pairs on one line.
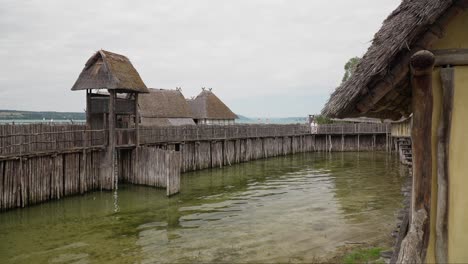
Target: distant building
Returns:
[[208, 109], [164, 108]]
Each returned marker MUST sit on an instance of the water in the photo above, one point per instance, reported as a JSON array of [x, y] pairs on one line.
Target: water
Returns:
[[288, 209]]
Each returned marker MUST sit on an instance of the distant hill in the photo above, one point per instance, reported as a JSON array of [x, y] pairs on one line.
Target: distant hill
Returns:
[[39, 115], [272, 120], [242, 118]]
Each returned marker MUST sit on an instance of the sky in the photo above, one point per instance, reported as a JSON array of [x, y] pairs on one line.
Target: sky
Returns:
[[263, 58]]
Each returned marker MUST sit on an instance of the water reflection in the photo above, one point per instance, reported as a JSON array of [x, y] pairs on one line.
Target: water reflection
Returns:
[[292, 208]]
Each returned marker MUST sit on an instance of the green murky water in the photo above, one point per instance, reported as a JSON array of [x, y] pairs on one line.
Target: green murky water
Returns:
[[293, 208]]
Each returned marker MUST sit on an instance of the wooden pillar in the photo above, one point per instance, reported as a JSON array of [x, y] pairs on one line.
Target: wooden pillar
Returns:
[[441, 244], [88, 107], [136, 158], [342, 143], [111, 144], [137, 122], [422, 64], [358, 145]]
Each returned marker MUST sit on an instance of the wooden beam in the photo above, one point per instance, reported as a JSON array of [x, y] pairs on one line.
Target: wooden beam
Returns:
[[441, 243], [451, 57], [422, 64]]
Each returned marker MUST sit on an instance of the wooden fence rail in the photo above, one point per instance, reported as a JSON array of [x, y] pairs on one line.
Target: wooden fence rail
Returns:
[[345, 129], [150, 135], [33, 138], [25, 139]]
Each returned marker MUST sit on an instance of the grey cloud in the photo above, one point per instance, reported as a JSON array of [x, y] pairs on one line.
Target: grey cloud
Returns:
[[246, 50]]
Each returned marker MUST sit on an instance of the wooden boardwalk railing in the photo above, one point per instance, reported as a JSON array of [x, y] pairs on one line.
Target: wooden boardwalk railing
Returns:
[[344, 129], [149, 135], [33, 138], [26, 139]]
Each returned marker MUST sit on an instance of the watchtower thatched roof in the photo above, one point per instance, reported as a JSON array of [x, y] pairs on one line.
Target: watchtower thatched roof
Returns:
[[208, 106], [111, 71], [160, 103], [379, 86]]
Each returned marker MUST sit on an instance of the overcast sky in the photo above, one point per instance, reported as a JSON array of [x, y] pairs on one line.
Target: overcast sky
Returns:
[[268, 58]]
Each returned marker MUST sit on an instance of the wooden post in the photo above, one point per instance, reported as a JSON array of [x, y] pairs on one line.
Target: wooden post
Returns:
[[342, 142], [111, 145], [358, 145], [422, 64], [88, 107], [137, 122], [441, 243]]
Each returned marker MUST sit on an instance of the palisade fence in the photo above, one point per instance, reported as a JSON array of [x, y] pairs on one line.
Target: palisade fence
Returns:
[[150, 135], [360, 128], [25, 139]]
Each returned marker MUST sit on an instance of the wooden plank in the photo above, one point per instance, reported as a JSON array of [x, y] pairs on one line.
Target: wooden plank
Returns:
[[443, 174]]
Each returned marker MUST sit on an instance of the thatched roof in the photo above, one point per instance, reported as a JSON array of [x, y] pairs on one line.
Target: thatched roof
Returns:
[[111, 71], [164, 103], [160, 122], [379, 86], [208, 106]]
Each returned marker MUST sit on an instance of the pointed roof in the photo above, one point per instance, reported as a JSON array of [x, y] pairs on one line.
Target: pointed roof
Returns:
[[160, 103], [379, 87], [111, 71], [208, 106]]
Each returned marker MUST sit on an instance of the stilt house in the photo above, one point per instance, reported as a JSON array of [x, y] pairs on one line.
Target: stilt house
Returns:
[[115, 110], [418, 63], [208, 109], [164, 108]]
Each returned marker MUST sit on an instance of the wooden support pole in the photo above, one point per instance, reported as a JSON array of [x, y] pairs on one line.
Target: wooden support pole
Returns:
[[441, 243], [137, 122], [422, 64], [88, 107], [111, 144], [358, 143], [342, 143]]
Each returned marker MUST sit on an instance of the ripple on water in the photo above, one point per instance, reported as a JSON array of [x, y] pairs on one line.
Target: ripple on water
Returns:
[[284, 209]]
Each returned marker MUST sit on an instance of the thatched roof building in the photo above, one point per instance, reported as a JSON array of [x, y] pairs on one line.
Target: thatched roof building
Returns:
[[207, 108], [379, 86], [164, 108], [418, 65], [111, 71]]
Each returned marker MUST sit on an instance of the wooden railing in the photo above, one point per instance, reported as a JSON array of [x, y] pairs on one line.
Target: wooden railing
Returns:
[[150, 135], [361, 128], [33, 138]]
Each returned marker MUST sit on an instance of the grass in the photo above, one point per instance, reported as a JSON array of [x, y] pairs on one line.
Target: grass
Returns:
[[369, 255]]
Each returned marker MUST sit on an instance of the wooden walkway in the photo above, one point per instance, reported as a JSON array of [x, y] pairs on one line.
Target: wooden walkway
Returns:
[[42, 139]]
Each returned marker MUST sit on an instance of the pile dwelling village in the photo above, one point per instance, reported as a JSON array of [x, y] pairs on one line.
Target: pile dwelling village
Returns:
[[146, 136], [407, 96]]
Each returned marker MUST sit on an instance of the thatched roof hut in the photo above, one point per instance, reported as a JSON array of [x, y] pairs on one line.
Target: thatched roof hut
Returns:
[[379, 86], [208, 106], [418, 64], [111, 71], [164, 108]]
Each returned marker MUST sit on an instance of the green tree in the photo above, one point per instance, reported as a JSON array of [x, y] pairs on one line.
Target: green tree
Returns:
[[349, 67], [322, 120]]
